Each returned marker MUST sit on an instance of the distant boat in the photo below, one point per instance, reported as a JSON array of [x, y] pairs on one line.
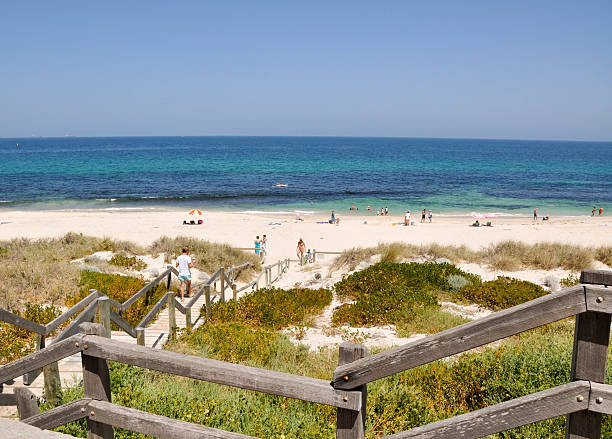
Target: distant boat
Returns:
[[280, 185]]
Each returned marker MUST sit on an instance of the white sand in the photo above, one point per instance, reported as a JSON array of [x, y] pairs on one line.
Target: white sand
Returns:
[[240, 229]]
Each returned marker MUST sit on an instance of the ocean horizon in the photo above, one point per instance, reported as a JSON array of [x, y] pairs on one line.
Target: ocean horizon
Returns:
[[306, 174]]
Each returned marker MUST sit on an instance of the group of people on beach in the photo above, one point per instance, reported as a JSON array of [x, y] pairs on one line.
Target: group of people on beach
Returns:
[[424, 216], [383, 211], [595, 210]]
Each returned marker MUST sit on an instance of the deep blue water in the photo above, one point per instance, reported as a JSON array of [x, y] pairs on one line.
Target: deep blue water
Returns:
[[447, 175]]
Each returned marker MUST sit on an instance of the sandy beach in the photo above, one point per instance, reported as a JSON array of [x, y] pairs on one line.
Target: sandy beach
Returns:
[[283, 230]]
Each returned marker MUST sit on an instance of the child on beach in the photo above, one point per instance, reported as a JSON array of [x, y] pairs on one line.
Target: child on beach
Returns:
[[407, 218], [430, 215]]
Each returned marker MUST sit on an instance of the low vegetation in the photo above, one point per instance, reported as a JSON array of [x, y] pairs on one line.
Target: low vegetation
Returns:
[[129, 262], [531, 362], [272, 308], [505, 255], [210, 255], [501, 293], [16, 342], [119, 288]]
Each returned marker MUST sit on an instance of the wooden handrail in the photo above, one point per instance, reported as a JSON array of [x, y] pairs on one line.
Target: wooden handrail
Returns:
[[229, 374], [154, 311], [52, 326], [73, 328], [58, 416], [153, 425], [44, 357], [541, 311], [125, 305], [23, 323], [535, 407]]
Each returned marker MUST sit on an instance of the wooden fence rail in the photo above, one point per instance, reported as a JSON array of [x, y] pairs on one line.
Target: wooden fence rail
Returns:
[[583, 400]]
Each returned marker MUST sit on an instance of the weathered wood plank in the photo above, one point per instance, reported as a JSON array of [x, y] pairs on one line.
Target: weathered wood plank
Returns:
[[517, 319], [171, 313], [28, 325], [152, 312], [154, 425], [96, 382], [561, 400], [350, 424], [41, 358], [144, 289], [597, 277], [122, 323], [179, 306], [52, 382], [87, 315], [7, 399], [591, 338], [27, 403], [600, 400], [598, 298], [54, 324], [29, 377], [229, 374], [61, 415], [104, 315]]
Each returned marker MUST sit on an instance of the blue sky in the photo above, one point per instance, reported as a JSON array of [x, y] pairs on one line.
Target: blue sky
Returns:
[[537, 70]]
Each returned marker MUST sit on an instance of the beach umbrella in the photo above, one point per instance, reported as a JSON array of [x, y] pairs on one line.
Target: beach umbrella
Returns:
[[195, 212]]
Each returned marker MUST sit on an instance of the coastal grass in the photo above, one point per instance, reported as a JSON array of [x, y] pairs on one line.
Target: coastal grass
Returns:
[[210, 255], [527, 363], [505, 255], [39, 271], [272, 308]]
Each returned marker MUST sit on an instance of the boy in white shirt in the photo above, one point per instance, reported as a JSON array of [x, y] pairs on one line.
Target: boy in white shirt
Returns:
[[184, 264]]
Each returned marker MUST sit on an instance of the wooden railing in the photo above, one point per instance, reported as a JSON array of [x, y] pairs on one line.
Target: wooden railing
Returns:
[[584, 399], [110, 310]]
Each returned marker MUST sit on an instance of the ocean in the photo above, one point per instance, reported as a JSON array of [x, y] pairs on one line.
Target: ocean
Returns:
[[449, 176]]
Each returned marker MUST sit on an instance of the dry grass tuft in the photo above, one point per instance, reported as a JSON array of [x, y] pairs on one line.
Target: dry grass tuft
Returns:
[[505, 255], [210, 255]]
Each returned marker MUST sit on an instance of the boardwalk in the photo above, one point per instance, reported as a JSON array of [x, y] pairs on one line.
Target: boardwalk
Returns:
[[156, 335]]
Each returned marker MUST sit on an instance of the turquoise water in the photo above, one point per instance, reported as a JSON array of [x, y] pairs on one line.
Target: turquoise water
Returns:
[[321, 173]]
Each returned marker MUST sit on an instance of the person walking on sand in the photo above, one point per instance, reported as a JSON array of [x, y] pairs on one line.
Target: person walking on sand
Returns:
[[535, 214], [600, 211], [423, 214], [257, 245], [386, 210], [407, 218], [301, 248], [185, 264], [430, 215], [593, 211], [264, 246]]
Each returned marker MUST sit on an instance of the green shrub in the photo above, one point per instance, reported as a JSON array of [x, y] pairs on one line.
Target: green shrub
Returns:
[[119, 288], [129, 262], [504, 292], [272, 308], [570, 280], [429, 321], [456, 282], [383, 306], [16, 342], [392, 277]]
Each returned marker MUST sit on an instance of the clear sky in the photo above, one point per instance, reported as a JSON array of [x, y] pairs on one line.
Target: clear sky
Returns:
[[497, 69]]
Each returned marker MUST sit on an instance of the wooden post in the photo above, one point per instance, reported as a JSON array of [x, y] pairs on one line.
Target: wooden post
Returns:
[[39, 343], [171, 313], [169, 280], [222, 278], [591, 338], [104, 315], [140, 336], [314, 255], [188, 323], [27, 403], [351, 424], [52, 383], [96, 384], [235, 291], [207, 297]]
